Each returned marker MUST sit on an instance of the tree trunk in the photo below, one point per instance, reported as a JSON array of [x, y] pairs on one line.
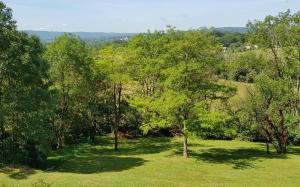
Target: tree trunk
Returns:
[[2, 131], [282, 136], [268, 140], [267, 147], [298, 83], [59, 134], [93, 132], [60, 141], [116, 139], [185, 144], [276, 61], [114, 128], [117, 96], [185, 147], [63, 112], [282, 147]]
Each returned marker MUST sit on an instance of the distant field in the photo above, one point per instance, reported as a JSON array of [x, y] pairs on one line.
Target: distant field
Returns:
[[241, 88], [158, 162]]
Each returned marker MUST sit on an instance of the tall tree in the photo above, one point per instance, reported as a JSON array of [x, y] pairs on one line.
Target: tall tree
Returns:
[[71, 73], [272, 103], [194, 55], [188, 82], [24, 96], [292, 47], [113, 62], [146, 60], [275, 88]]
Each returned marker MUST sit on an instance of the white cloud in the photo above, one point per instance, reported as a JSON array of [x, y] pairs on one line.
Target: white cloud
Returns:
[[45, 27], [52, 27]]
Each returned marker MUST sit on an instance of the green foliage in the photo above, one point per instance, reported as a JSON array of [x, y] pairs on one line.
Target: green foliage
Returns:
[[245, 66], [294, 136], [112, 62], [71, 70], [213, 125], [230, 39], [275, 101], [272, 102], [24, 96], [180, 76]]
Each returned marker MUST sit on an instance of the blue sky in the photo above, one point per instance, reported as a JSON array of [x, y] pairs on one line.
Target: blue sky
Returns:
[[141, 15]]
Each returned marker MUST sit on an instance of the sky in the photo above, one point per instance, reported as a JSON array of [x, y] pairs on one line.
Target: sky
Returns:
[[141, 15]]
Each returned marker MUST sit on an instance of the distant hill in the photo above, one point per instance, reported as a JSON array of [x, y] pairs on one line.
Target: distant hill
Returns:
[[232, 29], [48, 36]]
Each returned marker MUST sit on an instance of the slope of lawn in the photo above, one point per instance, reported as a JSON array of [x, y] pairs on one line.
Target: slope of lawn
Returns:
[[158, 162], [241, 88]]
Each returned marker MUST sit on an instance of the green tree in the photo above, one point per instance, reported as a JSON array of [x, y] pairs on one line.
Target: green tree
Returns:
[[292, 47], [146, 60], [272, 104], [270, 34], [275, 103], [112, 61], [146, 63], [71, 73], [24, 97], [188, 83], [244, 66]]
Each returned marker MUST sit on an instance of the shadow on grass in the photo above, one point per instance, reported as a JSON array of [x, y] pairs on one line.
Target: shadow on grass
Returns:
[[294, 150], [101, 157], [94, 164], [87, 159], [141, 146], [240, 158], [16, 172]]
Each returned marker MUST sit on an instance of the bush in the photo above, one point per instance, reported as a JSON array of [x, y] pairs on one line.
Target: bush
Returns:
[[214, 125], [31, 153], [294, 137]]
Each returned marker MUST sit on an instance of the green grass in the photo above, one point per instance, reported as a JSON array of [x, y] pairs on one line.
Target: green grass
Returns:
[[241, 88], [158, 162]]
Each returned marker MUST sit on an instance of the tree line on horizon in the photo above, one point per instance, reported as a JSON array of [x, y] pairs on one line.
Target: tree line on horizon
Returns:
[[167, 82]]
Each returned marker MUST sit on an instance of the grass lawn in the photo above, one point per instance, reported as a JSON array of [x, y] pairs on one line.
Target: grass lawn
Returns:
[[158, 162]]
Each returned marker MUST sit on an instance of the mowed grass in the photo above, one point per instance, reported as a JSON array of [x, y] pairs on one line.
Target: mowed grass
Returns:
[[242, 88], [158, 162]]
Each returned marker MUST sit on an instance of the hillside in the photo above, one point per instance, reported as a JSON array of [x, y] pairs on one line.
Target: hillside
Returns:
[[48, 36], [232, 29]]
